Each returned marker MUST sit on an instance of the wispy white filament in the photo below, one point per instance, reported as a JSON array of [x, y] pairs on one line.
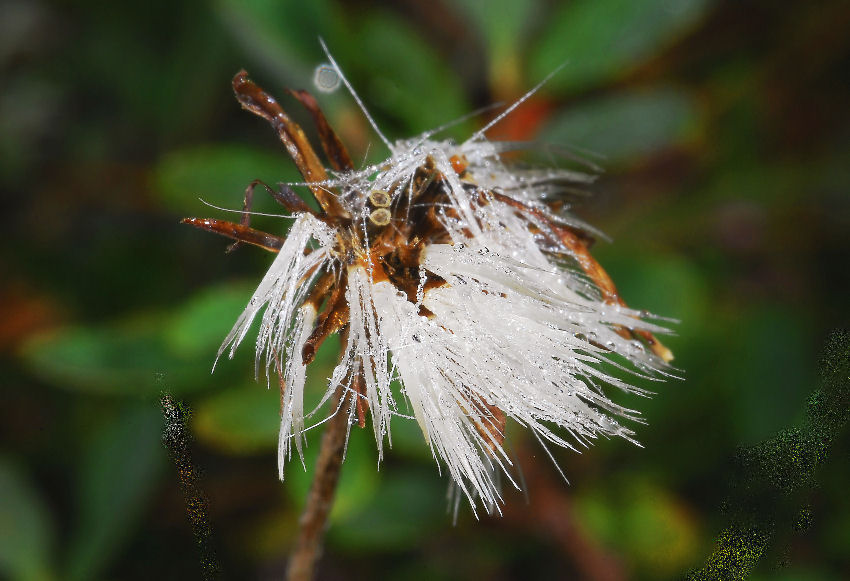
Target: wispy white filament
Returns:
[[283, 289], [292, 399]]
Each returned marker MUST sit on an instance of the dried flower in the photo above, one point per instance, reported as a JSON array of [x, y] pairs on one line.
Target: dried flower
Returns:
[[452, 272]]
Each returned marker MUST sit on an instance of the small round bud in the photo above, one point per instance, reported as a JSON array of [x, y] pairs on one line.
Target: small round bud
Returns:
[[459, 163], [380, 198], [380, 217]]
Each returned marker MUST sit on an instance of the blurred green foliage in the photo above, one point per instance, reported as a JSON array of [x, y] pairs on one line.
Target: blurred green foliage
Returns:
[[603, 40], [725, 138], [27, 529]]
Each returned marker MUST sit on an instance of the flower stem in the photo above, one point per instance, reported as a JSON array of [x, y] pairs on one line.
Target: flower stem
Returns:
[[313, 521]]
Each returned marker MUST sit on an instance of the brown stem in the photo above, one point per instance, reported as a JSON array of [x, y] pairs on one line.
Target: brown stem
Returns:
[[313, 522]]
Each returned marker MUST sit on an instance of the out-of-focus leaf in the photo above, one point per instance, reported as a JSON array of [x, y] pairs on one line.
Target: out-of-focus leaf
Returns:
[[779, 185], [142, 355], [407, 79], [125, 358], [600, 39], [219, 175], [245, 420], [504, 25], [667, 286], [169, 88], [119, 471], [626, 126], [199, 327], [283, 36], [241, 420], [408, 439], [26, 531], [769, 359], [402, 512], [643, 521], [662, 536]]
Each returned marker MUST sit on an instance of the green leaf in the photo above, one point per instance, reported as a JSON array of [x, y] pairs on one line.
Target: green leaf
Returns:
[[26, 530], [125, 358], [245, 419], [219, 176], [241, 420], [407, 79], [665, 285], [408, 439], [404, 510], [118, 475], [642, 521], [283, 35], [503, 23], [601, 39], [147, 353], [626, 126], [201, 324], [777, 348]]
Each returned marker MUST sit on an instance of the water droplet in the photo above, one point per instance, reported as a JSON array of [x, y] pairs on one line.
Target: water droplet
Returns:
[[326, 78], [635, 348]]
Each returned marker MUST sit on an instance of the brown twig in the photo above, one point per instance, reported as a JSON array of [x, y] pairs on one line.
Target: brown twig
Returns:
[[313, 521]]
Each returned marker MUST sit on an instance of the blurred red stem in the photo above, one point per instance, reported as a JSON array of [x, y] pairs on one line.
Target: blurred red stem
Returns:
[[551, 513]]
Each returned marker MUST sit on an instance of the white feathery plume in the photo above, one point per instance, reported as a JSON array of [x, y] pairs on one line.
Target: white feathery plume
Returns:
[[506, 321]]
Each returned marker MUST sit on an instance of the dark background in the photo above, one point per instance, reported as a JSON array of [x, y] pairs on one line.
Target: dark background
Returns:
[[724, 133]]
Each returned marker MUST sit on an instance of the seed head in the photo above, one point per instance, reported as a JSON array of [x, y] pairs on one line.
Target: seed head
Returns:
[[457, 275]]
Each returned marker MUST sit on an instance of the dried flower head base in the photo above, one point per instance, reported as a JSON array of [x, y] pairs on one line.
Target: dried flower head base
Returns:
[[452, 272]]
